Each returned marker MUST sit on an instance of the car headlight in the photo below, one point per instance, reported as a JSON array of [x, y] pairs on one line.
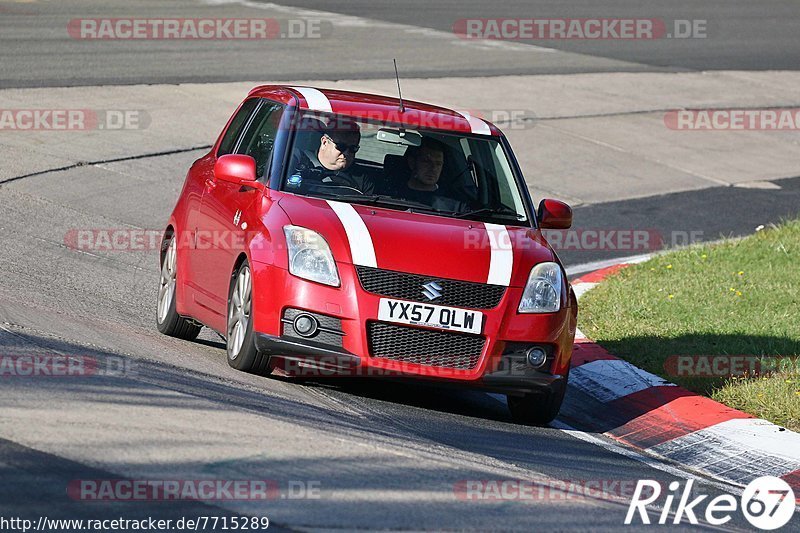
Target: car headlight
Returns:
[[310, 256], [542, 293]]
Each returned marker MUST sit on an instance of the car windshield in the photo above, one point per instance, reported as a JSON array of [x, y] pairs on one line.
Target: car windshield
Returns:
[[446, 174]]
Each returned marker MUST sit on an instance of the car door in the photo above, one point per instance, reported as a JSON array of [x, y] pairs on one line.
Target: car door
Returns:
[[202, 171], [225, 212]]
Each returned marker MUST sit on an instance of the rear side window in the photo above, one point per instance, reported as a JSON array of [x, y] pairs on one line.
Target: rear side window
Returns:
[[237, 125], [259, 138]]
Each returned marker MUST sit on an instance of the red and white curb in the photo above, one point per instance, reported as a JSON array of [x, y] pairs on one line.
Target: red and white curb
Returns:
[[649, 413]]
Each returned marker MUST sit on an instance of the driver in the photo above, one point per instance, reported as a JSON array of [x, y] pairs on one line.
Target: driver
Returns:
[[334, 165]]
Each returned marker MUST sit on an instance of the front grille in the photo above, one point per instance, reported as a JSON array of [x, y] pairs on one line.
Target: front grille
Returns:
[[423, 346], [409, 287]]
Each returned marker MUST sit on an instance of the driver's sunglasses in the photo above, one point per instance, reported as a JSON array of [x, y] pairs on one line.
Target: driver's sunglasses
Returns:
[[344, 147]]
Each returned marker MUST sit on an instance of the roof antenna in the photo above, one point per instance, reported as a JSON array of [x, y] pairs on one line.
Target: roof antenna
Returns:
[[397, 76]]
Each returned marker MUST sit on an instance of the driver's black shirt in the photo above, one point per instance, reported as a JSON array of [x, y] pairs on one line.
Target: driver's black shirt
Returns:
[[351, 180]]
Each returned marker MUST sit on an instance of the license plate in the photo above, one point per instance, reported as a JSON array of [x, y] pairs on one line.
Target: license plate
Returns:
[[434, 316]]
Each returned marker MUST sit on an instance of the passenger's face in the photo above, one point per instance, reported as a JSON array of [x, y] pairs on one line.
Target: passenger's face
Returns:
[[336, 150], [427, 166]]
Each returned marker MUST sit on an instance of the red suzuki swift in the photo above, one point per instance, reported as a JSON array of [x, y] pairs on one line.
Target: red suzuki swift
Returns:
[[340, 233]]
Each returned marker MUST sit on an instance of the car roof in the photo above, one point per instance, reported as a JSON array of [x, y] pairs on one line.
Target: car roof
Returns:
[[379, 108]]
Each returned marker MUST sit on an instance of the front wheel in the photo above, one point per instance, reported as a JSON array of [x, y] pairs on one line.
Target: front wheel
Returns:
[[240, 340], [537, 409], [168, 320]]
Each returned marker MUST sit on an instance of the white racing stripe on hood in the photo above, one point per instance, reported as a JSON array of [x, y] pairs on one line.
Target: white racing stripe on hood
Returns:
[[361, 247], [502, 260], [316, 100], [477, 125]]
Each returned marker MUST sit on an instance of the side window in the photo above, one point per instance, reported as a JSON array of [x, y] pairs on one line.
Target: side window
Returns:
[[259, 138], [237, 125]]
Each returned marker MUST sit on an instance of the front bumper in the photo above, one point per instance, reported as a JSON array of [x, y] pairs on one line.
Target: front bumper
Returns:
[[500, 366], [306, 351]]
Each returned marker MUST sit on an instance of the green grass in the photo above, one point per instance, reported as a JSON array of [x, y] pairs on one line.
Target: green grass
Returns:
[[739, 297]]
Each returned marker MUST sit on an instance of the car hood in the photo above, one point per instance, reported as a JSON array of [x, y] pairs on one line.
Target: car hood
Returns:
[[421, 244]]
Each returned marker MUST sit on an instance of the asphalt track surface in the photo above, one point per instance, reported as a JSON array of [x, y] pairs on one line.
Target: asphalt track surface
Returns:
[[740, 35], [386, 455], [36, 49]]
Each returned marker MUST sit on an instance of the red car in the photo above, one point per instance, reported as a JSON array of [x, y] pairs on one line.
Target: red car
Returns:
[[337, 233]]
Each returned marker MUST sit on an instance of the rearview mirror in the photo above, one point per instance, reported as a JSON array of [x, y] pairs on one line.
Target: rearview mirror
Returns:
[[235, 168], [554, 214], [401, 137]]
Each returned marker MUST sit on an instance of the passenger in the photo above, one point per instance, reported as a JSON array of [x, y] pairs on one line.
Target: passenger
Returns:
[[426, 162]]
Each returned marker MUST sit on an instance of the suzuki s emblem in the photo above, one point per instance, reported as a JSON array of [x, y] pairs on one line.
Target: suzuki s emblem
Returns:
[[236, 217], [432, 290]]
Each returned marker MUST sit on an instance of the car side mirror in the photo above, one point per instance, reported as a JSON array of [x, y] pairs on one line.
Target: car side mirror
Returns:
[[554, 214], [235, 168]]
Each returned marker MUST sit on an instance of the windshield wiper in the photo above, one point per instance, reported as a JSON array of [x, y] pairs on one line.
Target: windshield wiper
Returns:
[[503, 212], [380, 200]]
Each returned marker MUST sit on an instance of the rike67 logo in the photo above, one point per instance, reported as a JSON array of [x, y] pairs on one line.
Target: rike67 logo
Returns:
[[767, 503]]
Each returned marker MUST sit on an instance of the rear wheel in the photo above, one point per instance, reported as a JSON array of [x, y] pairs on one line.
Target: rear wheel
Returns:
[[537, 409], [168, 320], [240, 341]]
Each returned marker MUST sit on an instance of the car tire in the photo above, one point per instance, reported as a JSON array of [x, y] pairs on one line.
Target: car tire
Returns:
[[537, 409], [168, 321], [240, 340]]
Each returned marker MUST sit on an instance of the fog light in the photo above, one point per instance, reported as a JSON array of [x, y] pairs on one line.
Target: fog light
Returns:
[[305, 325], [536, 357]]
